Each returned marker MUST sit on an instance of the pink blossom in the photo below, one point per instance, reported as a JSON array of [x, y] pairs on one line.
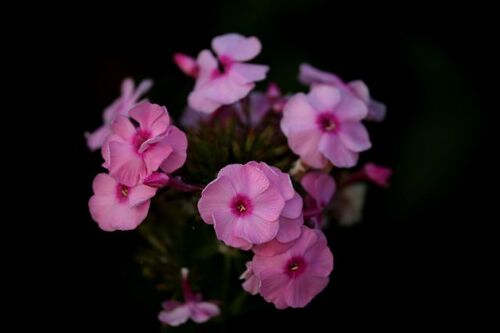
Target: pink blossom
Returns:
[[294, 277], [311, 76], [320, 188], [226, 79], [115, 206], [251, 283], [325, 125], [133, 153], [121, 106], [378, 174], [186, 64], [157, 180], [175, 313], [251, 204]]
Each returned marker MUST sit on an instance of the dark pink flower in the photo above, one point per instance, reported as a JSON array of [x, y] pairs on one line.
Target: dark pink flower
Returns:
[[120, 107], [186, 64], [115, 206], [379, 175]]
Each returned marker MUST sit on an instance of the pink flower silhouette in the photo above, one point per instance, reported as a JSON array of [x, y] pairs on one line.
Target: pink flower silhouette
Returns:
[[379, 175], [133, 153], [121, 106], [325, 125], [244, 204], [175, 313], [226, 79], [115, 206], [311, 76], [294, 277]]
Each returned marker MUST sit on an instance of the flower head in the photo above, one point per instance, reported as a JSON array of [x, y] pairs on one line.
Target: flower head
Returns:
[[115, 206], [128, 99], [325, 125], [225, 79], [133, 153], [294, 277]]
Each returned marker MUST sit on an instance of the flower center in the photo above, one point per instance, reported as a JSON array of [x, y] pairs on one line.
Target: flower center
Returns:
[[122, 192], [224, 63], [139, 138], [327, 122], [295, 266], [241, 205]]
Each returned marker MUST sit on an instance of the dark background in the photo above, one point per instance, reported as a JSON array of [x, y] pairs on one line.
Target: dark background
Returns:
[[407, 264]]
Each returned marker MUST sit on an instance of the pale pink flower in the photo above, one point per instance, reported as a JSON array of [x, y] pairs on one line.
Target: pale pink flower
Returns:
[[244, 205], [133, 153], [226, 79], [294, 277], [186, 64], [115, 206], [379, 175], [311, 76], [320, 188], [251, 283], [128, 99], [325, 125], [175, 313]]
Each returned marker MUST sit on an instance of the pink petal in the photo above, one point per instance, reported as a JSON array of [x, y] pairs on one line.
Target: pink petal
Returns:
[[246, 179], [280, 179], [151, 117], [112, 215], [324, 97], [142, 88], [376, 111], [157, 180], [273, 287], [155, 155], [378, 174], [293, 207], [354, 136], [224, 225], [203, 311], [248, 73], [236, 46], [290, 229], [320, 186], [255, 230], [271, 249], [96, 139], [335, 151], [176, 316], [104, 184], [199, 101], [302, 290], [207, 64], [350, 109], [226, 89], [298, 114], [178, 141], [319, 257], [305, 143], [140, 194], [125, 164], [122, 127], [308, 237], [268, 204], [186, 64], [216, 196], [310, 75], [360, 89]]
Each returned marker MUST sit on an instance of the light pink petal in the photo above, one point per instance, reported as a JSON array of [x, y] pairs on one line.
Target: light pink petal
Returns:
[[207, 64], [273, 288], [224, 225], [175, 316], [378, 174], [376, 111], [155, 155], [308, 238], [226, 89], [216, 196], [305, 143], [280, 179], [96, 139], [151, 117], [112, 215], [236, 46], [140, 194], [298, 114], [127, 87], [354, 136], [186, 64], [125, 164], [302, 290], [293, 207], [268, 204], [310, 75], [104, 184], [319, 257], [335, 151], [324, 97], [199, 101], [290, 229], [122, 127], [350, 109], [142, 88], [252, 282], [255, 230], [248, 73], [259, 106], [178, 141], [320, 186], [271, 249], [360, 89], [246, 179], [203, 311]]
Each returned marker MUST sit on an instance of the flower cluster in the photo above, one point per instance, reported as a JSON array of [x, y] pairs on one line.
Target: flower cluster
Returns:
[[271, 169]]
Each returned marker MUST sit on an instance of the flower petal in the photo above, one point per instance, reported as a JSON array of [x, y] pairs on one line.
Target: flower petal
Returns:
[[236, 47], [216, 196], [354, 136], [176, 316], [335, 151], [324, 97], [203, 311]]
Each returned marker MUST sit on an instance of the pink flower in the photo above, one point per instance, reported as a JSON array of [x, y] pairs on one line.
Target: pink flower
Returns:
[[325, 125], [311, 76], [294, 277], [378, 174], [115, 206], [133, 153], [251, 283], [175, 313], [251, 204], [226, 79], [120, 106], [320, 188], [186, 64]]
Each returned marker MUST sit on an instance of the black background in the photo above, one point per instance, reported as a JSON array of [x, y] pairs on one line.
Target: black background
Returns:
[[410, 261]]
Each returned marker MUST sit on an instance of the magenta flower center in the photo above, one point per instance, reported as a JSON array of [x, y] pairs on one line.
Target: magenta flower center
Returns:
[[327, 122], [241, 205], [295, 266], [139, 138], [122, 192], [224, 63]]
